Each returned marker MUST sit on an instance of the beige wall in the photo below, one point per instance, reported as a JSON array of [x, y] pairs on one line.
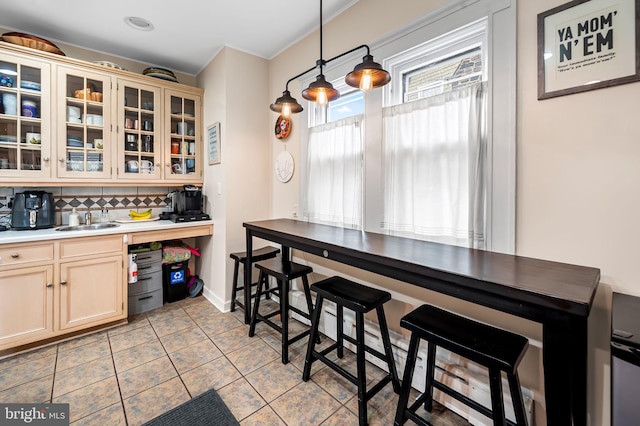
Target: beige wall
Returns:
[[237, 189], [577, 176]]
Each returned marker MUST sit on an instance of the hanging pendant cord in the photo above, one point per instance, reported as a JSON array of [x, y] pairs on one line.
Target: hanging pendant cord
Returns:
[[321, 61]]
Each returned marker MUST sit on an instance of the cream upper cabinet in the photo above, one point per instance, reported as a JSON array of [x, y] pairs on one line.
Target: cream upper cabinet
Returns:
[[67, 121], [84, 138], [139, 136], [25, 118], [183, 154]]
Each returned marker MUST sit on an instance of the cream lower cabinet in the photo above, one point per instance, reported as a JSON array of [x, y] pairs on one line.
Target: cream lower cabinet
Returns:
[[50, 289], [91, 281], [26, 305], [90, 292]]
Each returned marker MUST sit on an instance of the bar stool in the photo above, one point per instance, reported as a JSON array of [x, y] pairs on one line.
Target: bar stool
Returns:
[[360, 299], [240, 257], [496, 349], [284, 271]]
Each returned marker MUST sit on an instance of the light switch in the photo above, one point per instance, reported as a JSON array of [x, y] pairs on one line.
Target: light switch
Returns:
[[219, 188]]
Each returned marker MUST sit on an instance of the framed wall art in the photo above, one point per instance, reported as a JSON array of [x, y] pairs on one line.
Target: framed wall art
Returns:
[[588, 44], [213, 143]]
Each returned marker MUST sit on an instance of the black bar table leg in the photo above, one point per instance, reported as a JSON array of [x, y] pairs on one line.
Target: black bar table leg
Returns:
[[558, 386]]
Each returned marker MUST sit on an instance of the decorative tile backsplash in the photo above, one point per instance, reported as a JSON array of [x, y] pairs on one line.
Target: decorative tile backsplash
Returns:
[[116, 200]]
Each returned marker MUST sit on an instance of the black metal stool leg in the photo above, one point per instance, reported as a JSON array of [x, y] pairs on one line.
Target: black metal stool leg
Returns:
[[516, 398], [497, 405], [431, 373], [307, 295], [384, 332], [361, 368], [234, 290], [315, 322], [256, 305], [284, 317], [410, 365], [340, 331]]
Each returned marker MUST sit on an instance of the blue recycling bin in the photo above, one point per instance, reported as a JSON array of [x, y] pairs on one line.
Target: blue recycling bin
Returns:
[[174, 281]]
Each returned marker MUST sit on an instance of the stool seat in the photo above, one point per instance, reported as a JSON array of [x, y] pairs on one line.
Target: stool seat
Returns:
[[284, 271], [240, 257], [360, 299], [496, 349], [257, 255], [351, 295], [489, 346]]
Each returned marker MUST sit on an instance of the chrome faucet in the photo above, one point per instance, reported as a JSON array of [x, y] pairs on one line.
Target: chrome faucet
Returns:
[[87, 218]]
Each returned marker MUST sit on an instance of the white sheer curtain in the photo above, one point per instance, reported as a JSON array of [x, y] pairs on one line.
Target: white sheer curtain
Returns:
[[434, 166], [335, 172]]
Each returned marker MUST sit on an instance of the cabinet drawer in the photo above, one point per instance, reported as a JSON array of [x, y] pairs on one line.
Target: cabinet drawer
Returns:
[[140, 303], [147, 268], [149, 257], [79, 247], [146, 282], [24, 253]]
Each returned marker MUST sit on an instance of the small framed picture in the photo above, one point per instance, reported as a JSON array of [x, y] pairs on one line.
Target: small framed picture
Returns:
[[586, 45], [213, 143]]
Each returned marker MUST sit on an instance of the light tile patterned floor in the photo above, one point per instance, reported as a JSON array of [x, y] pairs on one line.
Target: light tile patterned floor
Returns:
[[131, 374]]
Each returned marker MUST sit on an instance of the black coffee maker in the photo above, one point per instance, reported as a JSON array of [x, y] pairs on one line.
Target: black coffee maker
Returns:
[[188, 201], [187, 205], [33, 210]]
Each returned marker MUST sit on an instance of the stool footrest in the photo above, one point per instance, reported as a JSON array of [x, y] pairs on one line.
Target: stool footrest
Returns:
[[368, 349], [265, 319], [460, 397]]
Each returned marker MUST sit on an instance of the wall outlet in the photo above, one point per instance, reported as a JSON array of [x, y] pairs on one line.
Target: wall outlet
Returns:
[[294, 213]]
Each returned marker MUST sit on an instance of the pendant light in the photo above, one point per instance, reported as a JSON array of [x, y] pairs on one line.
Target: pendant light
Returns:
[[366, 75]]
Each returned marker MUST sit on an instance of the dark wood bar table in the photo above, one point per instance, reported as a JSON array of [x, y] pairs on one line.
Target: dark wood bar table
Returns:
[[557, 295]]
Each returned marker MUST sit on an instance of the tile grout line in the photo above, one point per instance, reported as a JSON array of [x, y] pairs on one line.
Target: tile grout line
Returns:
[[115, 372]]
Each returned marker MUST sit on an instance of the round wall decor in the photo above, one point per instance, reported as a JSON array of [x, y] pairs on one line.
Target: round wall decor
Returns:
[[284, 166], [283, 127]]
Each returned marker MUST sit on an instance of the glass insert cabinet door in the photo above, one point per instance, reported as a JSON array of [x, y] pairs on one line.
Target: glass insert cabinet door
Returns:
[[25, 140], [183, 151], [84, 141], [139, 141]]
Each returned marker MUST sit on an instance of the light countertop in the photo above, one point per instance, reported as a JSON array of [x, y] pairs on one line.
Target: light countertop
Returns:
[[8, 237]]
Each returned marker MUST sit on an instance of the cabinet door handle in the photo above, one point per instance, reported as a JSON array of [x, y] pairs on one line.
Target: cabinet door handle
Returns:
[[63, 282], [15, 255], [61, 160], [45, 159], [49, 284]]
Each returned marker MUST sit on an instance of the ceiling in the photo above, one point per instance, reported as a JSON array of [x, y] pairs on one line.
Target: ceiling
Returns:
[[187, 34]]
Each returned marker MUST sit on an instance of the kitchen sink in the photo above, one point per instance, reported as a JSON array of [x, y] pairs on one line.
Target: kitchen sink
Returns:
[[92, 227]]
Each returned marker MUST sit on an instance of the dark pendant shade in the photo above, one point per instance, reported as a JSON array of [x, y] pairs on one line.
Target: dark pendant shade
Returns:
[[320, 91], [367, 75], [286, 105]]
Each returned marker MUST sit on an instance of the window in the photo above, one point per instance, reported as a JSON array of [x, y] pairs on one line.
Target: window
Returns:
[[448, 74], [334, 169], [335, 159], [434, 141], [462, 54]]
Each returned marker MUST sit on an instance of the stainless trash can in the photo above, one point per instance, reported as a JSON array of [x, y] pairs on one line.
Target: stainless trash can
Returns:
[[625, 359]]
